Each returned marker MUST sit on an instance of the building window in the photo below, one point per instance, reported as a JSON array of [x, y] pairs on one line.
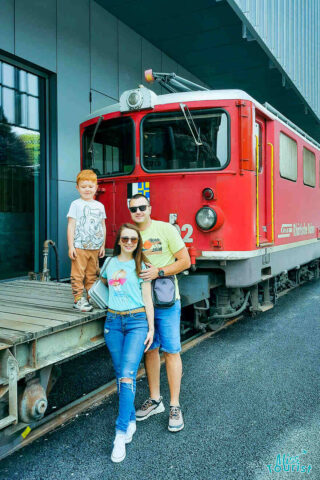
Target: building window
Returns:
[[309, 168], [21, 142], [288, 157]]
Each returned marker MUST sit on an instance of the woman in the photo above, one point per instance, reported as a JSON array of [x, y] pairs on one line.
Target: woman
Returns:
[[129, 327]]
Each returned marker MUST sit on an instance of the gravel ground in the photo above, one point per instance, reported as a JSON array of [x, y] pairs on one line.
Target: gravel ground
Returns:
[[249, 393]]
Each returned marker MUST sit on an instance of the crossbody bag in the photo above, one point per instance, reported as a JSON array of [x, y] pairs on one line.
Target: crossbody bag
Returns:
[[164, 291], [99, 292]]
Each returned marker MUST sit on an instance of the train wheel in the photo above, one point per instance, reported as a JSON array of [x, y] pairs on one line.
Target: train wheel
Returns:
[[33, 402]]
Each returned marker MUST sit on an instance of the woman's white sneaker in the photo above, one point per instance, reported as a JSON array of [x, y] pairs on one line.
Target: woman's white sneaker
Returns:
[[119, 448], [131, 430]]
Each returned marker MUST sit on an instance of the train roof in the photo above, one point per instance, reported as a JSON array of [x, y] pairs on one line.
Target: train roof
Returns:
[[184, 97], [202, 95]]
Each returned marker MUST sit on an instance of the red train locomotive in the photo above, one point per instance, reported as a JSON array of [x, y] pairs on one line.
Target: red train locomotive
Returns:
[[238, 179]]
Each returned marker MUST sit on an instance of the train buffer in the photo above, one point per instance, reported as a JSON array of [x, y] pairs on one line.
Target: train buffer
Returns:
[[38, 328]]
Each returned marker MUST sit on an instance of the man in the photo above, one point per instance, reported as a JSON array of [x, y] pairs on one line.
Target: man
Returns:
[[168, 255]]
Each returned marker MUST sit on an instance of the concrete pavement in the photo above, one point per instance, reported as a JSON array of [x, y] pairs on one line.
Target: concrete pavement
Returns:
[[249, 394]]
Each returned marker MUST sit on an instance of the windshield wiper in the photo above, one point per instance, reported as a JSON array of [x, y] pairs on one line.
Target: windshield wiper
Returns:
[[91, 149], [190, 122]]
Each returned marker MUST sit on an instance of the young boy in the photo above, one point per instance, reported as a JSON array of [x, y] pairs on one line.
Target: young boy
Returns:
[[86, 238]]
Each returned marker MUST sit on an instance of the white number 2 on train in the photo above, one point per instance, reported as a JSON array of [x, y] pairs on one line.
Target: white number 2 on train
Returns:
[[188, 236]]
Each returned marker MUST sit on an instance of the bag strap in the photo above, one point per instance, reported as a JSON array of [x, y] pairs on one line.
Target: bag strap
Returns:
[[104, 266]]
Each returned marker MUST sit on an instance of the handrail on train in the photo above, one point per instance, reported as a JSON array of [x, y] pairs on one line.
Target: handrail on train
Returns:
[[257, 193], [272, 190]]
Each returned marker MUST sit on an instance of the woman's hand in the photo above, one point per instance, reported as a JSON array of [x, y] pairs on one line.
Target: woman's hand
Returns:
[[148, 341], [147, 300]]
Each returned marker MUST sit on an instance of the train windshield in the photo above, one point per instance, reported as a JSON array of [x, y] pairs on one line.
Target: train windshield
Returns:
[[168, 144], [113, 147]]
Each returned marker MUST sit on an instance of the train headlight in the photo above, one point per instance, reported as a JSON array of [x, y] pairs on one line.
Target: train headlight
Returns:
[[134, 99], [137, 99], [206, 218]]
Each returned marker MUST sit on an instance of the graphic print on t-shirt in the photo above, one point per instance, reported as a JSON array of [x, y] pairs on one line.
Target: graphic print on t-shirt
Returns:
[[152, 246], [89, 231], [118, 279], [125, 292]]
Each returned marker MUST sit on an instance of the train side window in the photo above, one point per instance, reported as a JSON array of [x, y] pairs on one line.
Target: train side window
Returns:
[[114, 147], [309, 168], [288, 157]]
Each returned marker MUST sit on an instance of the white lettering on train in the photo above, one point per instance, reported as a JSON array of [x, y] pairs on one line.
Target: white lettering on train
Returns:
[[296, 229]]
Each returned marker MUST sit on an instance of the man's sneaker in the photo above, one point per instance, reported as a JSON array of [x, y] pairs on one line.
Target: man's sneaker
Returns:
[[83, 305], [148, 408], [131, 430], [175, 419], [119, 448]]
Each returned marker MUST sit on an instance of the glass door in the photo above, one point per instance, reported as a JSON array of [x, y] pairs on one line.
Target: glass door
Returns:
[[22, 176]]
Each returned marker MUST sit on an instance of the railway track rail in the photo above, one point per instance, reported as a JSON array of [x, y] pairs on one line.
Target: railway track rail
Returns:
[[59, 418]]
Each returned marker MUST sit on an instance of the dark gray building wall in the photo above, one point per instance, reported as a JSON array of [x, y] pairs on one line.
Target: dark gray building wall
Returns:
[[87, 49]]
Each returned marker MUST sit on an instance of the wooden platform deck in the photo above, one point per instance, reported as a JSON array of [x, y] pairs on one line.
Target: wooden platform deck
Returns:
[[31, 309]]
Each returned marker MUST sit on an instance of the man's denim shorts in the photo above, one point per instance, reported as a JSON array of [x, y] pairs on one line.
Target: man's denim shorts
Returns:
[[167, 328]]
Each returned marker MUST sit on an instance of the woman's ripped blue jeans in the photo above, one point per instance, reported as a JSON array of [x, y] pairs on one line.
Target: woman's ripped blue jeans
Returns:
[[124, 336]]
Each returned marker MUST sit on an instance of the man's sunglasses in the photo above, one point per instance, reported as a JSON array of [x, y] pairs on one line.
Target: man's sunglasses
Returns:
[[142, 208], [125, 240]]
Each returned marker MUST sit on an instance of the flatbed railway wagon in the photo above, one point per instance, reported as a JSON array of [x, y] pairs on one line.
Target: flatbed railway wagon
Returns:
[[236, 178], [38, 331]]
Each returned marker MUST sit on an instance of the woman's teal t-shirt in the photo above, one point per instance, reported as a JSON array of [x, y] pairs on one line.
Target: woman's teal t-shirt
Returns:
[[124, 285]]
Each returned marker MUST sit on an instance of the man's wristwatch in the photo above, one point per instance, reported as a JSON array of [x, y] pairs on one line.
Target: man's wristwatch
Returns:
[[160, 273]]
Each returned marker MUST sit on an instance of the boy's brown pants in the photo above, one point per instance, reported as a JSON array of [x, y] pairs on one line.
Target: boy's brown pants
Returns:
[[84, 271]]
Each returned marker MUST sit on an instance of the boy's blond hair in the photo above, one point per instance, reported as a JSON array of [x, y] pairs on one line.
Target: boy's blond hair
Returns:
[[87, 175]]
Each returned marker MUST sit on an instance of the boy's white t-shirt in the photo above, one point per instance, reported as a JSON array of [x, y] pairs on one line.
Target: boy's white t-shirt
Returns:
[[88, 215]]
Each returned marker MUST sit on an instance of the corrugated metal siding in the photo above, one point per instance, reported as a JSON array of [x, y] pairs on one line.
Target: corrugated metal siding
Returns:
[[290, 30]]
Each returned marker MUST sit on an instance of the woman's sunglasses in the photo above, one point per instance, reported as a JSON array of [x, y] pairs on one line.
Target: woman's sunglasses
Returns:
[[142, 208], [125, 240]]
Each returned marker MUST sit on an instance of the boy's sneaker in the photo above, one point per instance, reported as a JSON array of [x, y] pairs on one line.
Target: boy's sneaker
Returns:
[[131, 430], [119, 448], [93, 303], [175, 419], [83, 305], [148, 408]]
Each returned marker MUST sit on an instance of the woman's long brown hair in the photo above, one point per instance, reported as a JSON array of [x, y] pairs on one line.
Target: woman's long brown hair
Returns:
[[138, 255]]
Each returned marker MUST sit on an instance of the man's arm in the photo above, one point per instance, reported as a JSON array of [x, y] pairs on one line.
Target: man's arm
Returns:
[[182, 263]]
